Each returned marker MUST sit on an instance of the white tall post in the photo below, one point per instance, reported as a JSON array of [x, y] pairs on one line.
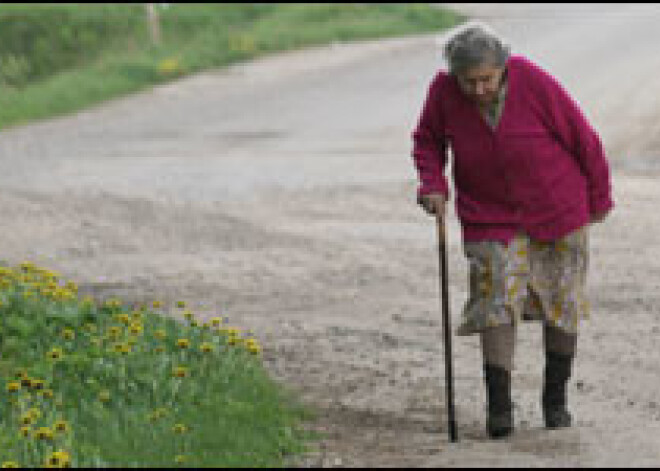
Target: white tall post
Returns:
[[154, 23]]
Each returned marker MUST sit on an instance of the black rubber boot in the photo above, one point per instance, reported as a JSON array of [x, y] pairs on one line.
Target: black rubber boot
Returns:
[[557, 373], [499, 423]]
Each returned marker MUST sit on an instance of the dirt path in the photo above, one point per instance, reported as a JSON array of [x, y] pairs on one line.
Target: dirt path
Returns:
[[280, 193]]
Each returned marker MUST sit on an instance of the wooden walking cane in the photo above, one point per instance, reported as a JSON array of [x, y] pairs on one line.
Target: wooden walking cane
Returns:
[[446, 324]]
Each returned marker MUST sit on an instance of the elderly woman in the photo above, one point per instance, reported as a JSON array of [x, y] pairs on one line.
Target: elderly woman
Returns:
[[530, 176]]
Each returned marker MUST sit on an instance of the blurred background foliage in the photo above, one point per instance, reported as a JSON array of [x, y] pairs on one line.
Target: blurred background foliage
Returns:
[[39, 40], [57, 58]]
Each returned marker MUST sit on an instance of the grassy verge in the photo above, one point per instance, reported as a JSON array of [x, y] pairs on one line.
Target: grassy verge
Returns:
[[61, 58], [112, 385]]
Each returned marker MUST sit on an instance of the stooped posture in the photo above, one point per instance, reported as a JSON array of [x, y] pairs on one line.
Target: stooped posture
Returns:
[[530, 176]]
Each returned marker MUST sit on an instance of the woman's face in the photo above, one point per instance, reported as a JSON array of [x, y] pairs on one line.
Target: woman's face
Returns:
[[481, 83]]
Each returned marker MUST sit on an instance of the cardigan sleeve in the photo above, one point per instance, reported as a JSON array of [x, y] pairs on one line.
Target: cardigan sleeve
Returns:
[[576, 134], [430, 145]]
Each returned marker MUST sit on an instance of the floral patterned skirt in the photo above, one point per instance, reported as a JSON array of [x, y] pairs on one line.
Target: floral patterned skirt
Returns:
[[528, 280]]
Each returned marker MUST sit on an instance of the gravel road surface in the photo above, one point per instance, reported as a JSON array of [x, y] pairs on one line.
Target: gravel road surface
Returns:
[[281, 193]]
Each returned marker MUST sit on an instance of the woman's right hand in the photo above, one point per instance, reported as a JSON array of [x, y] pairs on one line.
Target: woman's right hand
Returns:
[[433, 203]]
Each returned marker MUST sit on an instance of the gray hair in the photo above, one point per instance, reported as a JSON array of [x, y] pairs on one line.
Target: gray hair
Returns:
[[475, 45]]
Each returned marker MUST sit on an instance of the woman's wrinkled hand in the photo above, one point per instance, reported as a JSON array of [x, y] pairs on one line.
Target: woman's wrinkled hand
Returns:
[[433, 203]]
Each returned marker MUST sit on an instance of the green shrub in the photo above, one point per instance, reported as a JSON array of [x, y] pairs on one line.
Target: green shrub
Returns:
[[52, 38]]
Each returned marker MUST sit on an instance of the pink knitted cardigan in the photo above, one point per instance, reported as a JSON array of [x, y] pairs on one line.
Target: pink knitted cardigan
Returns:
[[542, 170]]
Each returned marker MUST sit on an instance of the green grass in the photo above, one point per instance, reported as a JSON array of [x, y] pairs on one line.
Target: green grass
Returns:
[[56, 59], [121, 408]]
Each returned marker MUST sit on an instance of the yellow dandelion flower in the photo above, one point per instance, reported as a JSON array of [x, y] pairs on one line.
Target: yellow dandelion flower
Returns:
[[157, 304], [59, 459], [233, 331], [188, 314], [180, 372], [135, 328], [169, 66], [47, 393], [26, 419], [37, 385], [61, 426], [159, 349], [125, 348], [160, 334], [43, 433], [183, 343], [216, 321], [181, 304], [179, 428], [114, 331], [10, 464], [124, 319], [55, 354], [136, 315], [27, 266], [25, 431], [112, 303], [68, 334], [104, 396], [13, 387], [206, 347]]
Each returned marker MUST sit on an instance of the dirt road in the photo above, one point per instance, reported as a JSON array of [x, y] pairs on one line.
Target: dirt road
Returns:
[[280, 193]]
